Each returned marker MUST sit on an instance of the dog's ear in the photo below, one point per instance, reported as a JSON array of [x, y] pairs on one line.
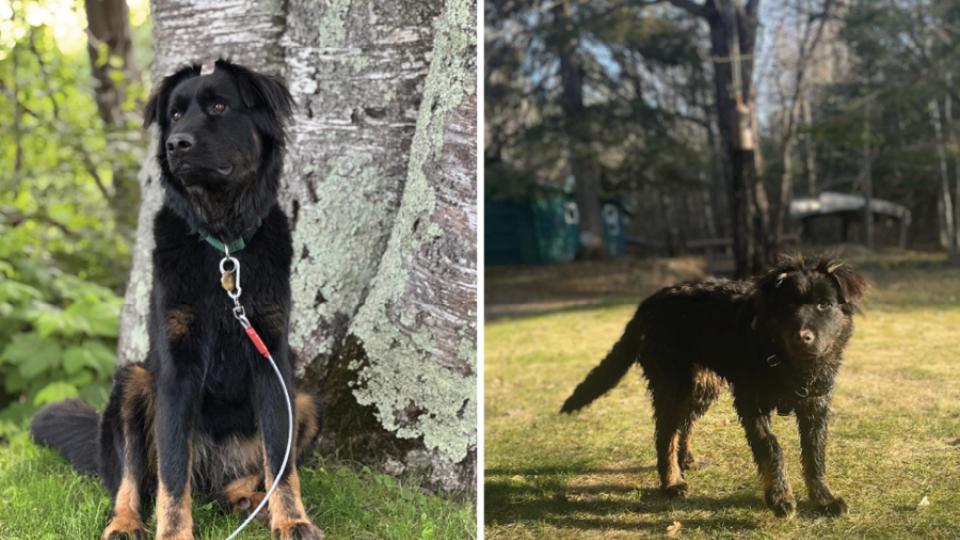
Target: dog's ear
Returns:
[[157, 104], [853, 287], [764, 287], [260, 90]]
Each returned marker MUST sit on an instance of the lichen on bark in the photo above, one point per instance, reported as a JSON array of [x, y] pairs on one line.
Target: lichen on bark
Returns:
[[414, 394]]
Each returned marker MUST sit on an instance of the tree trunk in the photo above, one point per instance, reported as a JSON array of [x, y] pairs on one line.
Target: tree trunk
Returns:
[[809, 151], [582, 165], [733, 28], [867, 172], [108, 37], [379, 186], [718, 181], [952, 140], [786, 189], [944, 201]]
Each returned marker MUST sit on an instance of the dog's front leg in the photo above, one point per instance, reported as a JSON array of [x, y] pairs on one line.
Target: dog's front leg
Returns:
[[173, 425], [769, 459], [812, 424], [288, 518]]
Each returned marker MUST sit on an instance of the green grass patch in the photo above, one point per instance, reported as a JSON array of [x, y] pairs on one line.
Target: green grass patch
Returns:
[[42, 498], [894, 439]]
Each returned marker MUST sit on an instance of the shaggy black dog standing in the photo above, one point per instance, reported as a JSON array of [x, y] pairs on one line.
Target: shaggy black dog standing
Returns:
[[204, 411], [778, 341]]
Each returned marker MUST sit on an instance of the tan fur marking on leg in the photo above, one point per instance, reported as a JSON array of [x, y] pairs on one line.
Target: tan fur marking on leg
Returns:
[[687, 441], [286, 507], [306, 421], [243, 496], [274, 319], [285, 503], [673, 470], [137, 385], [174, 517], [178, 322], [126, 510], [708, 383]]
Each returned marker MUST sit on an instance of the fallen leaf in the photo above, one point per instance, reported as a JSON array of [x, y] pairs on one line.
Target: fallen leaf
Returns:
[[673, 529], [924, 502]]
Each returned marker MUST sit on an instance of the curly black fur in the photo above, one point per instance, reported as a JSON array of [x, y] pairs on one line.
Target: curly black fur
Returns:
[[778, 342]]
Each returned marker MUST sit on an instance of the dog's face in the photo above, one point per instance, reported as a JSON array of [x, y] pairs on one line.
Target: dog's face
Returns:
[[217, 130], [807, 307]]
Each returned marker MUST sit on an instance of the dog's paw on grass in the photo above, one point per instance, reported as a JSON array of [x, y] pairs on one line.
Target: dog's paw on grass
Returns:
[[836, 507]]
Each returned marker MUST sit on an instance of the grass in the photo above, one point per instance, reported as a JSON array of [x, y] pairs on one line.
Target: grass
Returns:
[[894, 439], [42, 498]]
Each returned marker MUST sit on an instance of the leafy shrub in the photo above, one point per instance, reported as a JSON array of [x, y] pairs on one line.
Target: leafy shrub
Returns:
[[68, 205], [57, 338]]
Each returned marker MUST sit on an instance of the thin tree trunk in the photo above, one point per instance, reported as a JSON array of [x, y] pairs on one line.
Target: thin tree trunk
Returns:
[[786, 189], [582, 165], [733, 27], [809, 150], [718, 178], [379, 188], [108, 31], [952, 139], [944, 201], [867, 173]]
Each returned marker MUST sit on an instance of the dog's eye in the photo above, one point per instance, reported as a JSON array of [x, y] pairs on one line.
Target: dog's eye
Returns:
[[175, 116], [218, 108], [823, 307]]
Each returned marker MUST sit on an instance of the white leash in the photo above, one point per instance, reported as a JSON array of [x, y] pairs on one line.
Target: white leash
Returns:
[[231, 277]]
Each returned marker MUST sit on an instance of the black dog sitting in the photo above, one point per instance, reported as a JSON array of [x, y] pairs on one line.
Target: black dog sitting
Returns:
[[205, 411], [778, 341]]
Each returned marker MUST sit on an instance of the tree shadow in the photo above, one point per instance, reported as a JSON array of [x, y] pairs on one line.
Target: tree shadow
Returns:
[[544, 495]]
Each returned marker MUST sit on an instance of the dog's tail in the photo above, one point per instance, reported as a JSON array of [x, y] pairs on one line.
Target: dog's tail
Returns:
[[71, 428], [606, 375]]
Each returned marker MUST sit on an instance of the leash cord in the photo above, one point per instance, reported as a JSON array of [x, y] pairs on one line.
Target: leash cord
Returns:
[[240, 315]]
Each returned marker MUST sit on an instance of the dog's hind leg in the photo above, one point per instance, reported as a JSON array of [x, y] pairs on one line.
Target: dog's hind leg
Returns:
[[126, 450], [706, 389], [669, 414], [244, 493]]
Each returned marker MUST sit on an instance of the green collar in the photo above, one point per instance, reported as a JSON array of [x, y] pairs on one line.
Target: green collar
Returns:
[[234, 245]]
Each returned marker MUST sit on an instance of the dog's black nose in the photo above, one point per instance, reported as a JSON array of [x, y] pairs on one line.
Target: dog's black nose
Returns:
[[179, 143], [807, 336]]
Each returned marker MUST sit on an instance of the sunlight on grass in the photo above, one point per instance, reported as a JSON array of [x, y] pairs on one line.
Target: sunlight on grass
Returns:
[[895, 433]]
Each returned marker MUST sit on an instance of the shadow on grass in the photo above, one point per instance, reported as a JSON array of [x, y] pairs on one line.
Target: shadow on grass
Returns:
[[604, 506]]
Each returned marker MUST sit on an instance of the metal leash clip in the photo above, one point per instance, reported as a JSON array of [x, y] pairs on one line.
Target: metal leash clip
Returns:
[[230, 281]]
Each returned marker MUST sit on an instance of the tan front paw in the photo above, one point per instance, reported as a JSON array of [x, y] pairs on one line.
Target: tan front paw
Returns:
[[123, 528], [299, 529]]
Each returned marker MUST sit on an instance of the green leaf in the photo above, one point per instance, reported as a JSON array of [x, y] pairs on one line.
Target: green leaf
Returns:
[[55, 391], [31, 353], [91, 354], [83, 378], [13, 382], [18, 293], [100, 317]]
